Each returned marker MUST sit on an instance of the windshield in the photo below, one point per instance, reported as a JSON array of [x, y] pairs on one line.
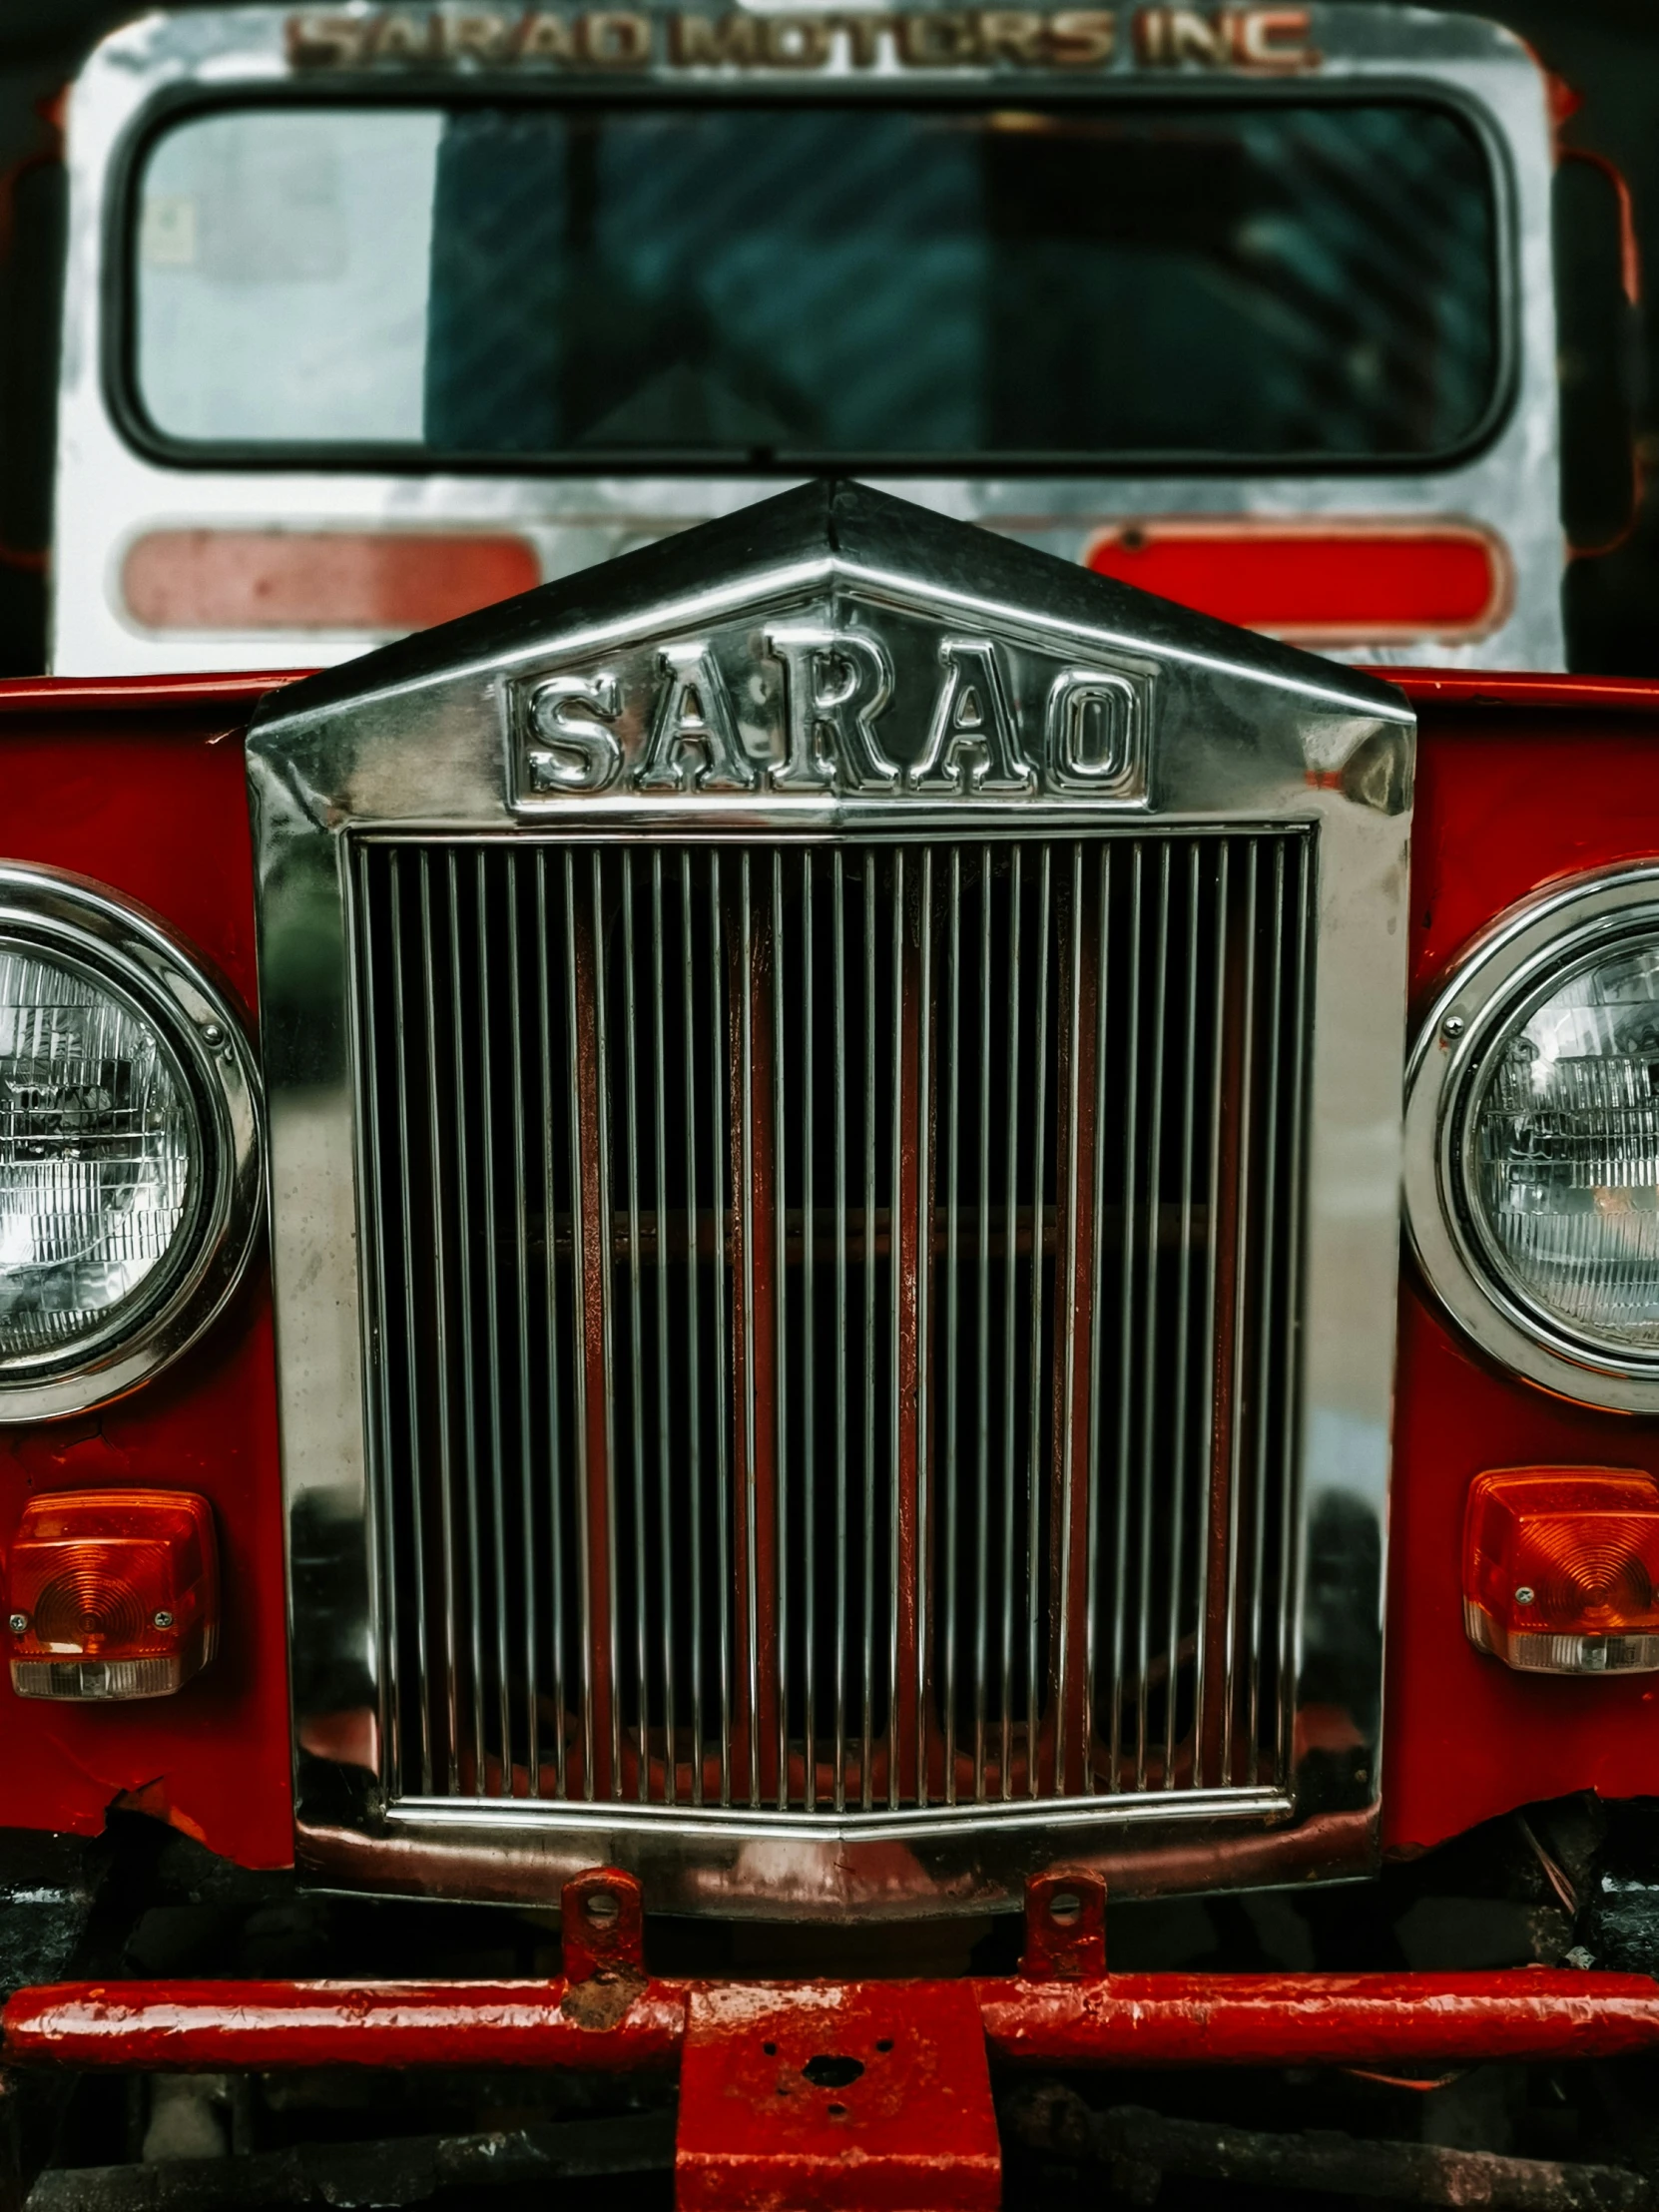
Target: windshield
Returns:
[[747, 285]]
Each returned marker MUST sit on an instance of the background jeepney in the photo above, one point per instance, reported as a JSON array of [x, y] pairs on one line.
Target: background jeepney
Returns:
[[375, 314]]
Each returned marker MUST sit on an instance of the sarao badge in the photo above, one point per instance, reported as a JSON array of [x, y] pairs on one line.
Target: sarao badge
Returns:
[[840, 701]]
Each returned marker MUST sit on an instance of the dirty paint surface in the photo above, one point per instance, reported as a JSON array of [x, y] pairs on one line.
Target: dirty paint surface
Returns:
[[872, 2094], [1520, 779], [749, 2045], [141, 788]]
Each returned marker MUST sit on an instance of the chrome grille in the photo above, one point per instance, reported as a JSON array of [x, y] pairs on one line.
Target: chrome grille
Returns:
[[832, 1316]]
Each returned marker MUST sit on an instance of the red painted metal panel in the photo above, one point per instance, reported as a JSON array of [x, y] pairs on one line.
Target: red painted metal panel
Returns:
[[844, 2096], [1428, 688], [254, 2026], [1320, 581], [1116, 2020], [238, 690], [1520, 781], [141, 785], [1065, 1926], [1319, 2020]]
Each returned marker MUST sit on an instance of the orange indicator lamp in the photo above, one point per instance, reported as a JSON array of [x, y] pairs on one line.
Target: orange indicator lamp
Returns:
[[1561, 1569], [111, 1594]]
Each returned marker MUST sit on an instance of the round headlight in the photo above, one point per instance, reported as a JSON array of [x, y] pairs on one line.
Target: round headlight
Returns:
[[130, 1173], [1532, 1140]]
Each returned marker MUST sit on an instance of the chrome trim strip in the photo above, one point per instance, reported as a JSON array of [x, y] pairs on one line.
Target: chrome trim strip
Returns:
[[121, 948], [1509, 969], [1055, 1815]]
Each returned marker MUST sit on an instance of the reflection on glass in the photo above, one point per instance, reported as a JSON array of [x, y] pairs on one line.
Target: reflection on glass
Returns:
[[1265, 282], [1567, 1136], [95, 1154]]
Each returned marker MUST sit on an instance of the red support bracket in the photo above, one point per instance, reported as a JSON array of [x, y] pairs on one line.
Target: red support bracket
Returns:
[[601, 1923], [1065, 1926], [871, 2096]]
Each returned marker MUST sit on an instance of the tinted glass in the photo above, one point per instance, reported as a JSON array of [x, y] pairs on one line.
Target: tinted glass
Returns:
[[744, 286]]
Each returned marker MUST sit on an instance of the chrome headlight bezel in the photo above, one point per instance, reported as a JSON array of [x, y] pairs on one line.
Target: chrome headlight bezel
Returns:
[[128, 952], [1527, 956]]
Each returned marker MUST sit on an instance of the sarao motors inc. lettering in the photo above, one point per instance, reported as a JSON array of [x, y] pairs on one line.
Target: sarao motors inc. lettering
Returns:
[[1262, 40], [829, 709]]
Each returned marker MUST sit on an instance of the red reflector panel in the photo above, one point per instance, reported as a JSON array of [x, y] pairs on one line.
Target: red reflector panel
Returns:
[[1319, 584], [111, 1594], [1561, 1569], [320, 579]]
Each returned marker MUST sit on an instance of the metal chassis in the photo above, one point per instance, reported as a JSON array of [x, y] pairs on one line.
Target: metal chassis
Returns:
[[915, 2125]]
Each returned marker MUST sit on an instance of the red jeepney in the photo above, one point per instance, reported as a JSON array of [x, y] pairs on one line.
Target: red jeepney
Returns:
[[826, 1357]]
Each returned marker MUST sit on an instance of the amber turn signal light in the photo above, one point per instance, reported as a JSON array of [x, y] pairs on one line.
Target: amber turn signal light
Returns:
[[1561, 1569], [111, 1594]]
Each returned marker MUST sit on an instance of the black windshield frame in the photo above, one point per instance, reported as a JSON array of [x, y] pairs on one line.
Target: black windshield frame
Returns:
[[121, 276]]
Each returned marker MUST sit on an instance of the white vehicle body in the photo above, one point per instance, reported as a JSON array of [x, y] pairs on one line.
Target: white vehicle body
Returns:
[[129, 502]]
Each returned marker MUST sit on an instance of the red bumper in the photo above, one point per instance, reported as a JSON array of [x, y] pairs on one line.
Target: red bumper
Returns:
[[837, 2096], [1116, 2020]]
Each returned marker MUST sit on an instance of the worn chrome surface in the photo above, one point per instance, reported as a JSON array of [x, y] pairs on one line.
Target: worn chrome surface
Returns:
[[406, 769], [108, 494], [123, 948], [1509, 970], [1032, 1544]]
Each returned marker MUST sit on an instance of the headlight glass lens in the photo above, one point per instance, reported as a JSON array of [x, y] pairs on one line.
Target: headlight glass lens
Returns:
[[1566, 1145], [98, 1156]]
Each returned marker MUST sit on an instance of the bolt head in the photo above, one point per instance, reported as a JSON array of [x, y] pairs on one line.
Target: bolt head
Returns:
[[162, 1619], [18, 1623], [1525, 1594], [1453, 1026]]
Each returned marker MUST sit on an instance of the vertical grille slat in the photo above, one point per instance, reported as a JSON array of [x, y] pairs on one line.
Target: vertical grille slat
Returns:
[[1242, 1213], [808, 1364], [1123, 1393], [1302, 954], [636, 1320], [665, 1447], [529, 1474], [1203, 1771], [952, 1155], [557, 1464], [1011, 1324], [1184, 1290], [844, 1309], [832, 1316], [1149, 1323], [1096, 1507], [1038, 1305]]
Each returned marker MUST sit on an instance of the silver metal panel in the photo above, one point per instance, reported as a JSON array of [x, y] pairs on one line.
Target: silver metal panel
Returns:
[[1246, 779], [110, 494]]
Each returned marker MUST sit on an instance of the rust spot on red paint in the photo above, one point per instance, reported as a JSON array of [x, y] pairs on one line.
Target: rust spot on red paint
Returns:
[[836, 2096], [603, 2001]]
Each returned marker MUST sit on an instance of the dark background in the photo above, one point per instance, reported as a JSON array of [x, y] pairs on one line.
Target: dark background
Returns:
[[1607, 51]]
